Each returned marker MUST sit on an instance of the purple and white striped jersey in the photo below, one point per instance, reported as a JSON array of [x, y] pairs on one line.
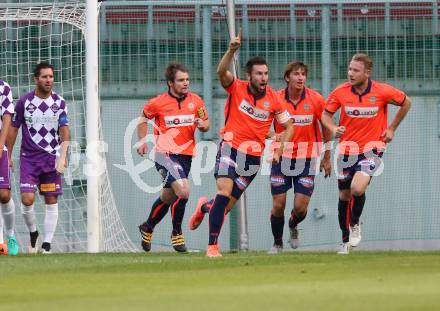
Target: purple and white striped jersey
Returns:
[[7, 105], [40, 120]]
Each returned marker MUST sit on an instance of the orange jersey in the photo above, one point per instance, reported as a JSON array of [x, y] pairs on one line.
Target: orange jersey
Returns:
[[307, 139], [363, 115], [174, 121], [248, 117]]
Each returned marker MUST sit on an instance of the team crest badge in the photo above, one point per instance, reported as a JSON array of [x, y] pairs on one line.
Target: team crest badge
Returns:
[[266, 104], [191, 106], [54, 108], [373, 99], [31, 108], [306, 107]]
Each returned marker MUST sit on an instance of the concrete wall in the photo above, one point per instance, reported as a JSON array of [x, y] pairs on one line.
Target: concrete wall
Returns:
[[402, 204]]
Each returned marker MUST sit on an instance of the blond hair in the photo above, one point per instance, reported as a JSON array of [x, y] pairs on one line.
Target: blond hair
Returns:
[[364, 58]]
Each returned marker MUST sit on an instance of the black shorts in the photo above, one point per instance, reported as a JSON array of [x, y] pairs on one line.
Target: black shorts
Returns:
[[240, 167], [172, 167], [348, 165], [299, 173]]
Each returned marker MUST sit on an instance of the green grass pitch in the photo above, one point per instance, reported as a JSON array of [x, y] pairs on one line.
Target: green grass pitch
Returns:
[[241, 281]]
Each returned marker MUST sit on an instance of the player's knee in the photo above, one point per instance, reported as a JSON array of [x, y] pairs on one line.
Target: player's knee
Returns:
[[301, 208], [357, 191], [5, 197], [301, 204], [27, 201], [183, 194], [168, 199], [224, 187], [50, 200], [345, 195], [224, 191], [182, 191], [278, 208]]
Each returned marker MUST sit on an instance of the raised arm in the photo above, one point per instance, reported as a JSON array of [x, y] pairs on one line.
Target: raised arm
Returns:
[[225, 76]]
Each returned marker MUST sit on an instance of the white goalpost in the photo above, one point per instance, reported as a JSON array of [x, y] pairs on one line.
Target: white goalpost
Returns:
[[92, 129], [66, 35]]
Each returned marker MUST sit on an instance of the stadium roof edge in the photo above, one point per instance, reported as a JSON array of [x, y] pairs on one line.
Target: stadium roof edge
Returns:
[[253, 2]]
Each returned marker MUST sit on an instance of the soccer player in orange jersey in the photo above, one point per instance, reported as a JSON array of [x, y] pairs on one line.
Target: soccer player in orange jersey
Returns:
[[177, 113], [298, 164], [363, 133], [250, 109]]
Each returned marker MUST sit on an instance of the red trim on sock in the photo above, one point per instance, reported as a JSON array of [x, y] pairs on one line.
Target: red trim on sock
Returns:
[[173, 207], [157, 209]]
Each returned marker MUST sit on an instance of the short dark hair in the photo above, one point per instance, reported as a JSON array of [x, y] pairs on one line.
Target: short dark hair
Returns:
[[257, 60], [43, 65], [172, 69], [363, 58], [295, 65]]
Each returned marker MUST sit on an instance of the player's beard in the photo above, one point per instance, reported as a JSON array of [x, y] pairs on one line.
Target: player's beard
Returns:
[[43, 90], [256, 87], [179, 93]]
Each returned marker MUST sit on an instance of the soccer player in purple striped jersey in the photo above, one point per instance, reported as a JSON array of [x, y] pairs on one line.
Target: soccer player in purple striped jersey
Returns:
[[6, 202], [42, 116]]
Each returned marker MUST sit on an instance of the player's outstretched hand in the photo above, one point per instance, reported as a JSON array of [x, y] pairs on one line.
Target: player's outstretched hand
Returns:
[[236, 42], [142, 148], [387, 135], [339, 131]]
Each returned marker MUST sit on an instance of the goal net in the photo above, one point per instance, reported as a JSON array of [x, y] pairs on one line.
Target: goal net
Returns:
[[55, 33]]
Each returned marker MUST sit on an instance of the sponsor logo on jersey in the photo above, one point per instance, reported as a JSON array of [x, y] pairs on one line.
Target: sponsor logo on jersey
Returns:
[[301, 120], [177, 121], [43, 120], [253, 112], [361, 112]]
